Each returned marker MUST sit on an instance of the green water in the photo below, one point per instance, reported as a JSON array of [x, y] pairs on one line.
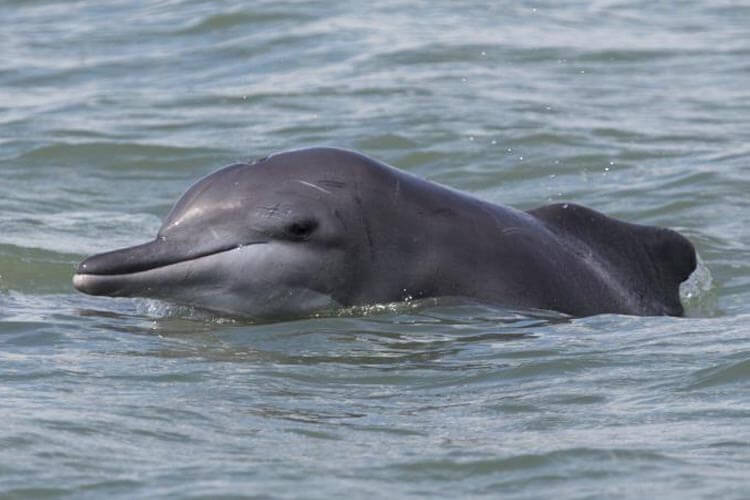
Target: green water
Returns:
[[109, 110]]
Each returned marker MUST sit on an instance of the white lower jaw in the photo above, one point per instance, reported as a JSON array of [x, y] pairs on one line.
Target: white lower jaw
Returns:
[[252, 281], [279, 304]]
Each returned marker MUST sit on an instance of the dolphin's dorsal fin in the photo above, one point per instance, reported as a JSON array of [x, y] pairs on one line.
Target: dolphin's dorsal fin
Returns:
[[653, 261]]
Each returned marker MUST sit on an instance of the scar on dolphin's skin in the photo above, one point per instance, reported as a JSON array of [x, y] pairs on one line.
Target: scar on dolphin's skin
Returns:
[[310, 184], [257, 244]]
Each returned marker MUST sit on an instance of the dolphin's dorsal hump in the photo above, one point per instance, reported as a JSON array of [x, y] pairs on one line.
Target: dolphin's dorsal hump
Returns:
[[653, 261]]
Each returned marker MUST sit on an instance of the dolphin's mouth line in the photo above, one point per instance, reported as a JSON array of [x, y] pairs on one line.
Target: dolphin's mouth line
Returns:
[[143, 266]]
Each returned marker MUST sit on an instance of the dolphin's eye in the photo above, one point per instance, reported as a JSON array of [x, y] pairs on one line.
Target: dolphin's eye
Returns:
[[301, 229]]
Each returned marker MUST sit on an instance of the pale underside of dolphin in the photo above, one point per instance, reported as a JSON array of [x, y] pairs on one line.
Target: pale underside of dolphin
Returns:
[[318, 229]]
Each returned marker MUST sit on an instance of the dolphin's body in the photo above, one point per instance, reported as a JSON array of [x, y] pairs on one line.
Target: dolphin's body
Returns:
[[315, 229]]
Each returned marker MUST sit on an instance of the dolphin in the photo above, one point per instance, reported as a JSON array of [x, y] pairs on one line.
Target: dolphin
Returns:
[[312, 230]]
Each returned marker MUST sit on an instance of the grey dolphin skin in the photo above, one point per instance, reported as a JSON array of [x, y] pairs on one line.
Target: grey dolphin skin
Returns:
[[317, 229]]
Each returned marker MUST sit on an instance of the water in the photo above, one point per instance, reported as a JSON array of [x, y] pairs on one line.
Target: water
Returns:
[[108, 111]]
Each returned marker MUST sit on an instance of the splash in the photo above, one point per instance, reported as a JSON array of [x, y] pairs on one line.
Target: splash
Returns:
[[698, 293]]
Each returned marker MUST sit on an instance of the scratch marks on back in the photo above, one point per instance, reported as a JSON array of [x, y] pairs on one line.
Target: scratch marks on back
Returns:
[[314, 186], [332, 183]]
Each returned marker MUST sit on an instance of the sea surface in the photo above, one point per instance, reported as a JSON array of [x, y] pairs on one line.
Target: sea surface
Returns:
[[110, 110]]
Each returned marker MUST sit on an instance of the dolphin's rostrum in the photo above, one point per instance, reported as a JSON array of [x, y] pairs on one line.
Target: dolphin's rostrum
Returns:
[[314, 229]]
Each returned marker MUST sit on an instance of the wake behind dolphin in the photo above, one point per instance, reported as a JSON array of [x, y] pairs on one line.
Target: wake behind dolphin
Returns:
[[314, 229]]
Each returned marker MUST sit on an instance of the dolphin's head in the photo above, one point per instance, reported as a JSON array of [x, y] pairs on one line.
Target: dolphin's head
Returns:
[[268, 239]]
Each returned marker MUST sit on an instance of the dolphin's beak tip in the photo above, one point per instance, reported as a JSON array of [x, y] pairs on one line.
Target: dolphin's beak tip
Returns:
[[80, 281]]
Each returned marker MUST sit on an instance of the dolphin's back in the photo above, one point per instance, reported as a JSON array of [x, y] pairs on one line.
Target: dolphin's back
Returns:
[[649, 261]]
